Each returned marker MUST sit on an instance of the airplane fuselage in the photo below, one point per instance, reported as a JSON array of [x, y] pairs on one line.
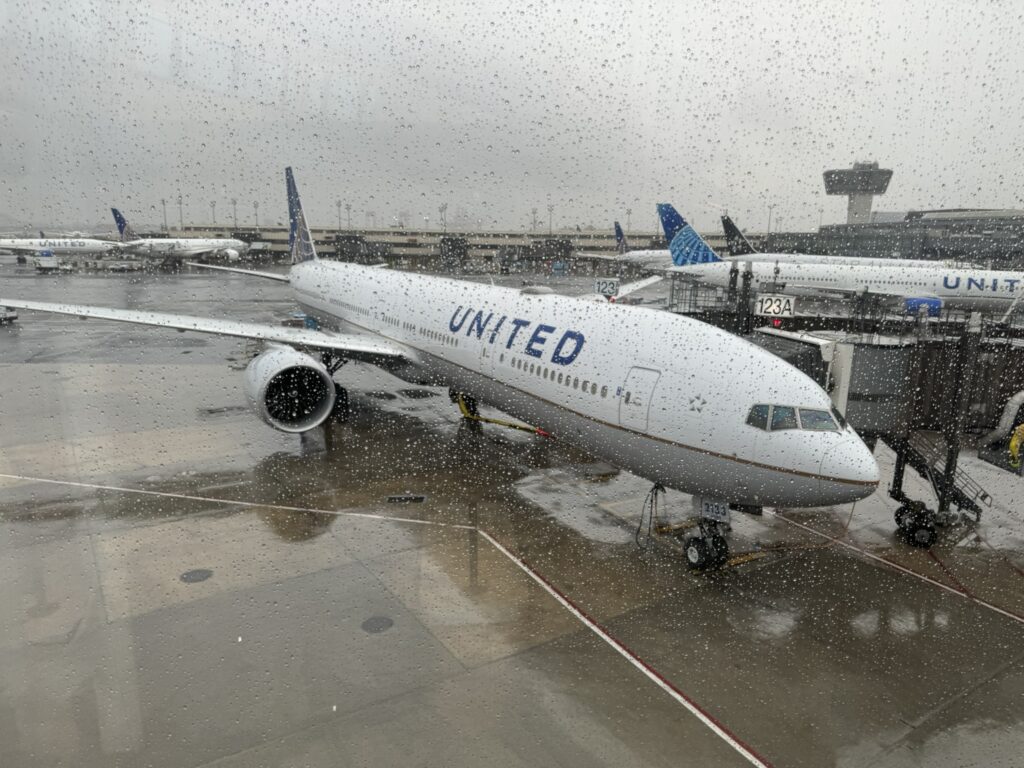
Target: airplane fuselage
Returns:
[[182, 246], [956, 287], [60, 246], [663, 396]]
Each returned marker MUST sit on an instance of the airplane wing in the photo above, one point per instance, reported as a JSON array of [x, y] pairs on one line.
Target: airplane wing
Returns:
[[352, 345], [251, 272], [629, 288]]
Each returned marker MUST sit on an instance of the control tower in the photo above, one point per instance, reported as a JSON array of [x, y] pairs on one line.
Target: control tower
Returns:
[[859, 184]]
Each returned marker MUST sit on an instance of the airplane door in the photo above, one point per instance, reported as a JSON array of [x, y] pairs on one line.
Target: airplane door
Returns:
[[635, 398]]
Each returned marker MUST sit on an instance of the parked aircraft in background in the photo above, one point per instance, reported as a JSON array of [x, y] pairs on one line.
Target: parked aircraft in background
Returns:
[[926, 288], [58, 246], [176, 247], [664, 396]]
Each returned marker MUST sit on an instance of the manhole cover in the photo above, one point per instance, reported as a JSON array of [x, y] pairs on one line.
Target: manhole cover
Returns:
[[376, 624], [196, 575]]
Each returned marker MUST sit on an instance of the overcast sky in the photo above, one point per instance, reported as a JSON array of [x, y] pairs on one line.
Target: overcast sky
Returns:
[[592, 107]]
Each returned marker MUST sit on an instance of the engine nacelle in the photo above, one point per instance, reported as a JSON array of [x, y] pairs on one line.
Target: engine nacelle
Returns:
[[230, 254], [289, 390], [932, 307]]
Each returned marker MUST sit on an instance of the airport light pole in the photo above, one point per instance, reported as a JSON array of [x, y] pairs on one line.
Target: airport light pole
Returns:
[[181, 215], [213, 210], [821, 212], [337, 204], [256, 213], [163, 202], [629, 212], [533, 227], [771, 207], [443, 211], [551, 214], [348, 214], [234, 213]]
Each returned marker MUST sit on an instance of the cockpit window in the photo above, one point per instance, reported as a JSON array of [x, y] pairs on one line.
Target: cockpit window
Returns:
[[758, 417], [783, 417], [816, 421]]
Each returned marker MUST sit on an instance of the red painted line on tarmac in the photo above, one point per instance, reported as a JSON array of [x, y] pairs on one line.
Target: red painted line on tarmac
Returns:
[[952, 577], [903, 569], [634, 658]]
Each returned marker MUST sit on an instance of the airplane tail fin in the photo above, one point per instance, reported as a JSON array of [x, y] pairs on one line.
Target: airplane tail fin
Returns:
[[127, 233], [685, 245], [738, 244], [42, 235], [620, 239], [300, 240]]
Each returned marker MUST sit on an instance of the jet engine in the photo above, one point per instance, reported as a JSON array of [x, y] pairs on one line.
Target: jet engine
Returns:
[[931, 306], [230, 254], [290, 390]]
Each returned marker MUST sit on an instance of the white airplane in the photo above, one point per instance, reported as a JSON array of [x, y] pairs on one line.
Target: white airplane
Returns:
[[660, 260], [916, 288], [671, 399], [175, 247], [59, 246]]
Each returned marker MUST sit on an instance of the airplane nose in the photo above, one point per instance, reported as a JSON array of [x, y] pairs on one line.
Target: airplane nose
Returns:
[[849, 470]]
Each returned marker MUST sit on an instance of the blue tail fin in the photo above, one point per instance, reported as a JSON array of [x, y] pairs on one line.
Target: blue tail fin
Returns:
[[300, 241], [685, 245], [127, 233], [620, 239]]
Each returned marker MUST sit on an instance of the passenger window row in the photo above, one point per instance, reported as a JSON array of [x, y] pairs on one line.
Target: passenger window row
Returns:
[[775, 418], [558, 377]]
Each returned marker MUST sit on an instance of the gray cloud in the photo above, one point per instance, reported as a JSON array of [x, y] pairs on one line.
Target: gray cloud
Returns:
[[593, 107]]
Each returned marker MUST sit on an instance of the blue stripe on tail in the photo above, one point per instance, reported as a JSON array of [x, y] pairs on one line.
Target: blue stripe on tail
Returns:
[[685, 245]]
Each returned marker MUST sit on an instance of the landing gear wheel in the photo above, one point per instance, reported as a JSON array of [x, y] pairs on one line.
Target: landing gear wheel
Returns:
[[901, 515], [920, 534], [697, 555], [718, 550], [340, 411]]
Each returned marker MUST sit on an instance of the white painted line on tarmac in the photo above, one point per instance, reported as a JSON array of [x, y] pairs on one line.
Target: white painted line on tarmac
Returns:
[[695, 709], [237, 503], [903, 569]]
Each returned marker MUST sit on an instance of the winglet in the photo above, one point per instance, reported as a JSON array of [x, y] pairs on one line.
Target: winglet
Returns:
[[737, 242], [127, 233], [300, 240], [685, 245], [620, 239]]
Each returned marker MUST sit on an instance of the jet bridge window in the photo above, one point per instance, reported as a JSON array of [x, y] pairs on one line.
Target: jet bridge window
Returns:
[[816, 421], [783, 417]]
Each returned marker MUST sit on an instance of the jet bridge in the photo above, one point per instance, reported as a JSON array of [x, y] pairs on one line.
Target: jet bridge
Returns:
[[921, 392]]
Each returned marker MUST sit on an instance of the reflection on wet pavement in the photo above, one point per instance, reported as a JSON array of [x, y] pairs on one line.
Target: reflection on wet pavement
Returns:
[[263, 602]]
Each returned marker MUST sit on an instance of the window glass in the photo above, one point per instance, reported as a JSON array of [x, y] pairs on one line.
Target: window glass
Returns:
[[816, 421], [783, 417], [758, 417]]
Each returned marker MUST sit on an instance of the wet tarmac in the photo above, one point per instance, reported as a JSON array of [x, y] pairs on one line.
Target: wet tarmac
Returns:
[[182, 585]]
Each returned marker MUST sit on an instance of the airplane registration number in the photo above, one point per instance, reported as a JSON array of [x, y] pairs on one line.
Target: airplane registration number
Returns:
[[712, 509], [772, 305], [606, 287]]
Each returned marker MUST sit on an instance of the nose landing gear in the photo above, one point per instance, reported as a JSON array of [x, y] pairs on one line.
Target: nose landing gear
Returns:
[[708, 550]]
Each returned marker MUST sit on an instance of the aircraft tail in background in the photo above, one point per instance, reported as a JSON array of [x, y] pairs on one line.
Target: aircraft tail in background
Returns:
[[737, 242], [685, 245]]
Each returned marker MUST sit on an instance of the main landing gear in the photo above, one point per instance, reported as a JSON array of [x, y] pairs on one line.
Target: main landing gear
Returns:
[[340, 412]]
